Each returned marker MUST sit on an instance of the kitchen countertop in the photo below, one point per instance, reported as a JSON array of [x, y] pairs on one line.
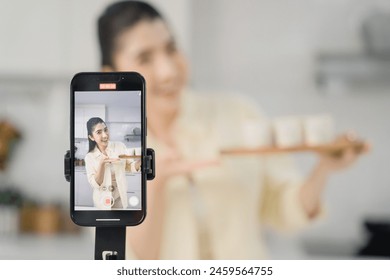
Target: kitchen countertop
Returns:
[[48, 247], [81, 247], [79, 169]]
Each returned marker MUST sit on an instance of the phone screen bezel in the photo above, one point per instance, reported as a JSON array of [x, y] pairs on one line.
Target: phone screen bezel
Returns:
[[90, 81]]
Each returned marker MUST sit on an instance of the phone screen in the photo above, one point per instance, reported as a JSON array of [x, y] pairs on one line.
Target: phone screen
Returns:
[[108, 147]]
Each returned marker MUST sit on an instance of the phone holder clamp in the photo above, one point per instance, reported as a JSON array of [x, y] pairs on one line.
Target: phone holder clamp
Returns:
[[67, 165], [150, 166], [148, 163]]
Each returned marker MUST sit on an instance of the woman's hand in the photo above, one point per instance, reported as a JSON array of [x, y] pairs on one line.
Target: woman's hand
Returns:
[[332, 161], [106, 159], [311, 191], [99, 176]]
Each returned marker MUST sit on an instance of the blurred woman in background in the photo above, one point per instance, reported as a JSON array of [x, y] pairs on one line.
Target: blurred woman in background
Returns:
[[198, 209]]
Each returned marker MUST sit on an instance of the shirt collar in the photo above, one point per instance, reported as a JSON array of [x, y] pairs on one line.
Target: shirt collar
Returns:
[[97, 153]]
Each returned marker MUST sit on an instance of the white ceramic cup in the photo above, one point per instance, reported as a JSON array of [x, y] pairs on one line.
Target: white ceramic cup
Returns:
[[137, 151], [256, 134], [288, 131], [318, 129]]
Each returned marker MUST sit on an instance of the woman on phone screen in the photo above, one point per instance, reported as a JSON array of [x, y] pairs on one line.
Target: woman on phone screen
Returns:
[[105, 170]]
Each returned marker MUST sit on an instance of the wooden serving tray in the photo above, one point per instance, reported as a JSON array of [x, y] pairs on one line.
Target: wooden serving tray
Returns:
[[128, 156], [336, 148]]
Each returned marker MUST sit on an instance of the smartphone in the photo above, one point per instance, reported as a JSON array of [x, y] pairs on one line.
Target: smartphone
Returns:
[[107, 148]]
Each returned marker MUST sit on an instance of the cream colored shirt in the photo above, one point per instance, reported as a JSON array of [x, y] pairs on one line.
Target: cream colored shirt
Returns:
[[114, 174], [219, 212]]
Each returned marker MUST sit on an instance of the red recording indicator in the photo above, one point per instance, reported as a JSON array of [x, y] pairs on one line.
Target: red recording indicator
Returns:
[[107, 86]]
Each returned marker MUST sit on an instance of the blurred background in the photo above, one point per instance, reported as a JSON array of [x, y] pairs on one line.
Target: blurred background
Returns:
[[302, 57]]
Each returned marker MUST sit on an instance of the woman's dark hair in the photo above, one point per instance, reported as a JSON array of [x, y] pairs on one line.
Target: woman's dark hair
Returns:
[[91, 123], [117, 18]]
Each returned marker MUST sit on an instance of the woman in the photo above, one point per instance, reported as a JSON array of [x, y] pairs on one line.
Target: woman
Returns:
[[196, 209], [105, 171]]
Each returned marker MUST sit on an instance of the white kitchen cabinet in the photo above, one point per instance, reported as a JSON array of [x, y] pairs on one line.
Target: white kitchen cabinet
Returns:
[[83, 113], [83, 190]]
